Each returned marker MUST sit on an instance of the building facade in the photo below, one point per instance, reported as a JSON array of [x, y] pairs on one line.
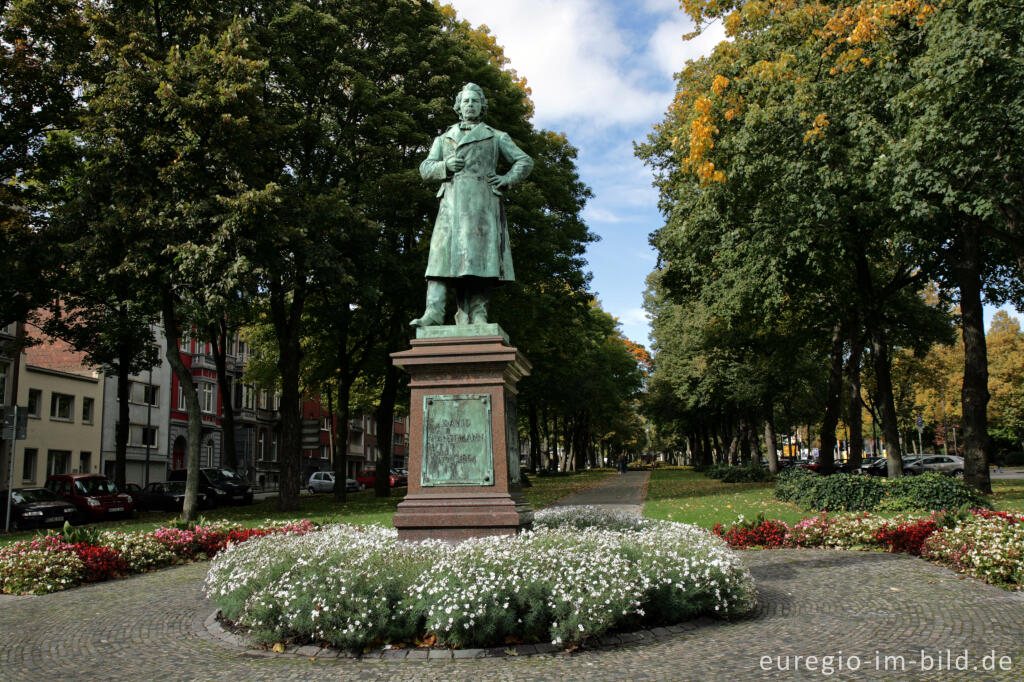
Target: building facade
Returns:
[[149, 412], [64, 399]]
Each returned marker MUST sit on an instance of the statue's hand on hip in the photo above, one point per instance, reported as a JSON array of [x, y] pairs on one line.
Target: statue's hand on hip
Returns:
[[498, 181]]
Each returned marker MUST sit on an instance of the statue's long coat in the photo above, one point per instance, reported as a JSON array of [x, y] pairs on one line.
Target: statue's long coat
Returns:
[[470, 234]]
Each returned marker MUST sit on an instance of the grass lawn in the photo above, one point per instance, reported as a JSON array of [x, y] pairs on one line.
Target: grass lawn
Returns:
[[1008, 494], [360, 508], [691, 497]]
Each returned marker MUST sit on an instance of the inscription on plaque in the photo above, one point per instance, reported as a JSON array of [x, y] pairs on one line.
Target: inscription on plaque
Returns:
[[457, 440]]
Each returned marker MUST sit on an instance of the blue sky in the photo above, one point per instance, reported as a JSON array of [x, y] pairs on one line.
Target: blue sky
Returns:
[[601, 71]]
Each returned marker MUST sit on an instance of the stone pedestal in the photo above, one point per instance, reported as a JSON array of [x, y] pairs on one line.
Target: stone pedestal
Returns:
[[463, 441]]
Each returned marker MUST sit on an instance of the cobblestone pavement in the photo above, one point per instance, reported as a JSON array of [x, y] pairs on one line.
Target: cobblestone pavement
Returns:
[[622, 492], [876, 612]]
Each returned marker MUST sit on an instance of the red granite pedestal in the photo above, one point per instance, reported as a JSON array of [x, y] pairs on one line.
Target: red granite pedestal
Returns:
[[456, 381]]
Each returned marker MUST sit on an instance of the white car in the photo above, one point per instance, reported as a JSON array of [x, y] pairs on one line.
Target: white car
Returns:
[[323, 482]]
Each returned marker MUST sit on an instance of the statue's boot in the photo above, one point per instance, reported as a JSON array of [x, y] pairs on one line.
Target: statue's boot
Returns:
[[437, 296], [471, 307], [478, 303]]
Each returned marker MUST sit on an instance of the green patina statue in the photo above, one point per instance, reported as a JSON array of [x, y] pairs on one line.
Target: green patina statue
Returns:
[[469, 250]]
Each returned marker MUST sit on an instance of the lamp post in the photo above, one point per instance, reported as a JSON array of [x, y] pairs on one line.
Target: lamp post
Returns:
[[149, 423]]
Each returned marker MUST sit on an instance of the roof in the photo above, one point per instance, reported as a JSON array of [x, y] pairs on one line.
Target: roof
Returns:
[[54, 354]]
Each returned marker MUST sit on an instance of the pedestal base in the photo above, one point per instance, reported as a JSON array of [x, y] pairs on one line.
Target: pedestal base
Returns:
[[456, 517], [463, 440]]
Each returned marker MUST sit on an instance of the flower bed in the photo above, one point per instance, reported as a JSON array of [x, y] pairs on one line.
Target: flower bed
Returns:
[[985, 544], [579, 574], [51, 563]]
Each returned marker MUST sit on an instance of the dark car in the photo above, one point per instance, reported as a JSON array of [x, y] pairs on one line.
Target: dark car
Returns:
[[221, 486], [35, 508], [169, 496], [94, 495], [134, 490]]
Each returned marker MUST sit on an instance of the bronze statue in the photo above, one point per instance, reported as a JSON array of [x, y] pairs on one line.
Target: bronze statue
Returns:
[[469, 249]]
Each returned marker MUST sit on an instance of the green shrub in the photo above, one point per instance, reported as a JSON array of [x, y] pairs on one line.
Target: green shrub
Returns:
[[717, 471], [790, 484], [841, 492], [750, 473], [930, 491]]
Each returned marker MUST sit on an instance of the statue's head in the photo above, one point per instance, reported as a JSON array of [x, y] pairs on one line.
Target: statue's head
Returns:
[[470, 103]]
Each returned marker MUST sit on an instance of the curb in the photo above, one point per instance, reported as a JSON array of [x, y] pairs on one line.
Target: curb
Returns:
[[214, 630]]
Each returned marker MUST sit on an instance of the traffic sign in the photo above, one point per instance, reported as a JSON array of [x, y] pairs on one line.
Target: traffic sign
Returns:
[[15, 423]]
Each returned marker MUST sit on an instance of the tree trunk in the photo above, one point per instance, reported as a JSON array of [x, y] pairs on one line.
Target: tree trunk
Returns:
[[974, 394], [853, 417], [385, 416], [341, 449], [286, 317], [769, 437], [124, 360], [219, 344], [534, 437], [833, 402], [190, 508], [885, 399]]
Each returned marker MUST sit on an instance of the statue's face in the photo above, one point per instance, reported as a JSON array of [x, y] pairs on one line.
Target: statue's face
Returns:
[[471, 105]]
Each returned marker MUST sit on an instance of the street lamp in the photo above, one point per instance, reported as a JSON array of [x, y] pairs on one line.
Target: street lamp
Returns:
[[149, 422]]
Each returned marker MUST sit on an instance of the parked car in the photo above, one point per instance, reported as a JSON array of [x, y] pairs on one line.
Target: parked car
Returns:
[[94, 495], [369, 477], [168, 496], [951, 465], [35, 508], [323, 482], [135, 491], [221, 486], [401, 476], [880, 467]]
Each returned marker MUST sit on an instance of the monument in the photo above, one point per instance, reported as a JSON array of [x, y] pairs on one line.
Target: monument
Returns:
[[464, 446]]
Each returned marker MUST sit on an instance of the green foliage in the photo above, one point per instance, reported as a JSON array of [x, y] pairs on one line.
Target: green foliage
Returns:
[[89, 535], [841, 492], [849, 492], [791, 483], [931, 491]]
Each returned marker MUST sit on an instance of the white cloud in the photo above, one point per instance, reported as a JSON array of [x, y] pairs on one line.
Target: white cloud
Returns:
[[573, 56], [671, 52]]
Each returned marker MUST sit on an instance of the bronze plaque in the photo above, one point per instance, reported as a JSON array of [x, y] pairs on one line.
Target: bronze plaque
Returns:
[[457, 446]]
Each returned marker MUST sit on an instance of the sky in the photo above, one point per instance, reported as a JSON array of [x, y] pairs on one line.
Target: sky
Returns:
[[601, 72]]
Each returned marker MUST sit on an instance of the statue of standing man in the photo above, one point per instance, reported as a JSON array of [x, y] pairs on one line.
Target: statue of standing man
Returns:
[[469, 249]]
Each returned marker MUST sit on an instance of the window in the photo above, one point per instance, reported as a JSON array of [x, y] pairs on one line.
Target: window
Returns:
[[139, 434], [248, 393], [28, 465], [209, 453], [260, 444], [208, 395], [62, 407], [35, 399], [87, 405], [57, 462], [181, 398], [277, 401], [84, 462], [150, 394], [3, 382], [273, 447], [264, 399], [325, 424]]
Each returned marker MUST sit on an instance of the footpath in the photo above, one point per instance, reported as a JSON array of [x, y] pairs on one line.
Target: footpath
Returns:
[[820, 615]]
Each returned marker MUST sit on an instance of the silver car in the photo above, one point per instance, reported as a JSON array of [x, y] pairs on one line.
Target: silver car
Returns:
[[323, 482], [951, 465]]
